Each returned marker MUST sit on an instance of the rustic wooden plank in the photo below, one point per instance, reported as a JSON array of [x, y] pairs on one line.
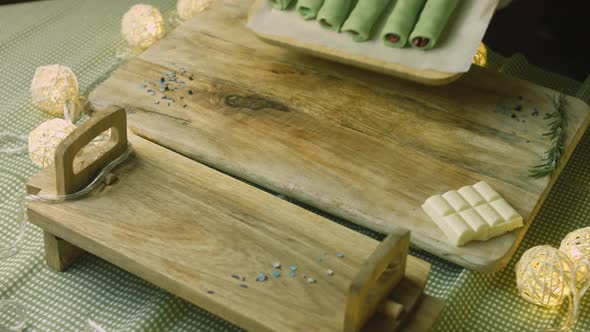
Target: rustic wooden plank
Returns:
[[188, 228], [363, 146]]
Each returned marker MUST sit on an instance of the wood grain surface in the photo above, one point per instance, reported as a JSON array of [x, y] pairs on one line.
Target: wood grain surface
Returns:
[[366, 147], [188, 228]]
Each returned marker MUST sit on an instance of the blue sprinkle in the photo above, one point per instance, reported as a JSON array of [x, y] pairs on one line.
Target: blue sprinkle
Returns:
[[276, 274], [293, 268], [340, 255], [261, 277], [292, 274]]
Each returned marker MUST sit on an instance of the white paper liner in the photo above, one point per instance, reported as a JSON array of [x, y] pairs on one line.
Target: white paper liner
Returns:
[[453, 53]]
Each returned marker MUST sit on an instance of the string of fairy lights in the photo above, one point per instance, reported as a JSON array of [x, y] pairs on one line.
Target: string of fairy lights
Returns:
[[545, 276], [55, 90]]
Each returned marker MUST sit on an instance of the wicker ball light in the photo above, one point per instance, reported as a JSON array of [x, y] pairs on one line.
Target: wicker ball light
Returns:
[[44, 139], [55, 87], [188, 8], [576, 245], [543, 276], [142, 25]]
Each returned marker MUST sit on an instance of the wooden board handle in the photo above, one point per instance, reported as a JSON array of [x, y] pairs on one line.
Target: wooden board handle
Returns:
[[376, 278], [67, 180]]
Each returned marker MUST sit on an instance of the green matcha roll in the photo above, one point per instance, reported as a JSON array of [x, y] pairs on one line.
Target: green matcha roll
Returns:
[[361, 21], [280, 4], [308, 9], [333, 13], [400, 22], [431, 23]]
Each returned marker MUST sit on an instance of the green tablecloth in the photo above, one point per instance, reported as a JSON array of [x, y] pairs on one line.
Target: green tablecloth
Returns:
[[84, 35]]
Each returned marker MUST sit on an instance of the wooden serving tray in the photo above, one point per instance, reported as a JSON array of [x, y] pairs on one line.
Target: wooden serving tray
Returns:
[[366, 147], [328, 49], [189, 229]]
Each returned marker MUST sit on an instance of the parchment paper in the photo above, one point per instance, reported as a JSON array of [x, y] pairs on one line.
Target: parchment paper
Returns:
[[453, 53]]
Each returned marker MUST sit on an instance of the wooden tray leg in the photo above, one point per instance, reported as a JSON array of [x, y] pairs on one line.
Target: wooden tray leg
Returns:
[[59, 253]]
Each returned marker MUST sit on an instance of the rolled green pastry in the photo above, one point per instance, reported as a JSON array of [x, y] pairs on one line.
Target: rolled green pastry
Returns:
[[363, 17], [280, 4], [333, 13], [308, 9], [431, 23], [401, 21]]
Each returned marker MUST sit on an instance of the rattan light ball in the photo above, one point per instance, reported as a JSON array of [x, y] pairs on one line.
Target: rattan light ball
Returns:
[[53, 87], [142, 25], [576, 245], [189, 8], [544, 276], [44, 139]]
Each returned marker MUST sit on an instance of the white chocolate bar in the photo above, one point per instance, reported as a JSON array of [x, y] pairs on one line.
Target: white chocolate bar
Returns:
[[475, 212]]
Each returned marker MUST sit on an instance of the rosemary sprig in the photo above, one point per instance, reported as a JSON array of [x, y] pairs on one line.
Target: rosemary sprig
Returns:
[[557, 131]]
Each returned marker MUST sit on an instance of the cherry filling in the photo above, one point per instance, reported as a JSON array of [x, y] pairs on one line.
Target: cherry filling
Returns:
[[392, 37], [420, 42]]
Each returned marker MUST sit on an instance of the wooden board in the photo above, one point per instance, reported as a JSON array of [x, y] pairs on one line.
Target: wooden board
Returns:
[[425, 76], [188, 228], [366, 147]]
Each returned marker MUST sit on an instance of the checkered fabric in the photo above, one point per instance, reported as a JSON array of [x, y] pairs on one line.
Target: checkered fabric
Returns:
[[84, 35]]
